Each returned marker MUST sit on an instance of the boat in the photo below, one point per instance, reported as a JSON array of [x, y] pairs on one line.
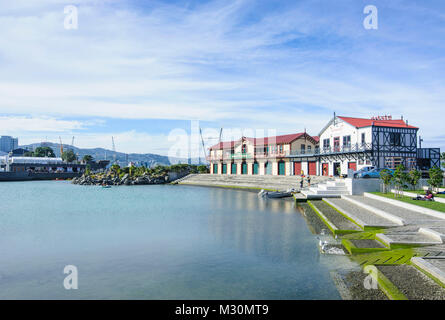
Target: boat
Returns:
[[106, 187], [275, 194]]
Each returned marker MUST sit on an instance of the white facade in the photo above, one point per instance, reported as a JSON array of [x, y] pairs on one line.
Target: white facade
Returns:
[[340, 136]]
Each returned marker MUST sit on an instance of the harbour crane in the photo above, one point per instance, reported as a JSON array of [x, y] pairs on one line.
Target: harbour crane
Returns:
[[209, 138], [61, 146], [114, 149]]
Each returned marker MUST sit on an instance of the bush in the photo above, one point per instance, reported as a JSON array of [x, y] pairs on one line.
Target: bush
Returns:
[[436, 177], [386, 176], [203, 169], [414, 177], [400, 179]]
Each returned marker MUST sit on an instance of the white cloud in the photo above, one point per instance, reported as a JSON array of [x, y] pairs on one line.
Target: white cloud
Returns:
[[219, 61]]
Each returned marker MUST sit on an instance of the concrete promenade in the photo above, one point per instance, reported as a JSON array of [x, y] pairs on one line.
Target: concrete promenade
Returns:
[[267, 182]]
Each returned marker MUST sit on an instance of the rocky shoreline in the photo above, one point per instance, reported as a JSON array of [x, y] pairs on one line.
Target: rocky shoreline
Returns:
[[127, 180]]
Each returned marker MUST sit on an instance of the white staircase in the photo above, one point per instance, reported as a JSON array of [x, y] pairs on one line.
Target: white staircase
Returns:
[[331, 189]]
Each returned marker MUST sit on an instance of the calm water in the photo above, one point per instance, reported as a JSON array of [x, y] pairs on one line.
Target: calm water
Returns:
[[156, 242]]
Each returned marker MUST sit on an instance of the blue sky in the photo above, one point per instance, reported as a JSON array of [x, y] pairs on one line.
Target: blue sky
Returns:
[[138, 70]]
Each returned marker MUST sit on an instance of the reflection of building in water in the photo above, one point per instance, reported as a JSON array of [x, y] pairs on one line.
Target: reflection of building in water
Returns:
[[257, 226]]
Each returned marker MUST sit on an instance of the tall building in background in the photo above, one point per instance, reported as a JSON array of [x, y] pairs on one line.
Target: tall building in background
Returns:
[[8, 143]]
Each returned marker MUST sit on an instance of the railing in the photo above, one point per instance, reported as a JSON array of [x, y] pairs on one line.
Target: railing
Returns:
[[362, 147]]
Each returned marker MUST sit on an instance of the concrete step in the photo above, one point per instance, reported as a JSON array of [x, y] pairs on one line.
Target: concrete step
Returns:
[[327, 187], [336, 183], [392, 212], [398, 240], [361, 216], [326, 192]]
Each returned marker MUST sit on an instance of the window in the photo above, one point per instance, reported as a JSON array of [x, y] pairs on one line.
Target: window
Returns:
[[395, 139], [303, 148], [346, 141], [309, 148], [326, 143], [363, 138], [244, 149], [281, 148]]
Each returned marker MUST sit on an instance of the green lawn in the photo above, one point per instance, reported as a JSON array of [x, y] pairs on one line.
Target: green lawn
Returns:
[[422, 192], [438, 206]]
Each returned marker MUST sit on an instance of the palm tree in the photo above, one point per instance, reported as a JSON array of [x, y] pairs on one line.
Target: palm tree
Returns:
[[87, 158]]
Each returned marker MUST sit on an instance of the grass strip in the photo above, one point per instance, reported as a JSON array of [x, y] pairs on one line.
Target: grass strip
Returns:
[[433, 205]]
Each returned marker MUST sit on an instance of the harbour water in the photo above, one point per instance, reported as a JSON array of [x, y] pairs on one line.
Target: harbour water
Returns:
[[157, 242]]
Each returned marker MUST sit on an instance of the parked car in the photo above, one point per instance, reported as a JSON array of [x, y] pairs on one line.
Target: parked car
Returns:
[[364, 169], [374, 173]]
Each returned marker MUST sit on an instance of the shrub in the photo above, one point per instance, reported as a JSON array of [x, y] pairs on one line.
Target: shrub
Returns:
[[436, 177], [386, 176]]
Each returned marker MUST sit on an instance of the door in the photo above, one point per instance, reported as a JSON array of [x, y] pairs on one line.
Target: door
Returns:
[[352, 165], [312, 168], [336, 168], [233, 166], [215, 168], [325, 168], [297, 168], [255, 168], [224, 168], [281, 168], [268, 168], [336, 144], [244, 168]]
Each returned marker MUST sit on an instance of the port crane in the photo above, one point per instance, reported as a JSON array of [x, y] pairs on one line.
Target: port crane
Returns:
[[61, 146], [114, 149], [209, 138]]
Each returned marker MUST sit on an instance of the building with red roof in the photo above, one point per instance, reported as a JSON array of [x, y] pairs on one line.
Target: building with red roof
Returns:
[[345, 144]]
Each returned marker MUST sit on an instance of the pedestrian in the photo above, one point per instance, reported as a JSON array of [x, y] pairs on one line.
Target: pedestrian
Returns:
[[301, 183], [309, 180]]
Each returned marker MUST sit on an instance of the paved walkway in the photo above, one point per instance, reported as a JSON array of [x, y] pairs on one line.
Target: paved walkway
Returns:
[[281, 183]]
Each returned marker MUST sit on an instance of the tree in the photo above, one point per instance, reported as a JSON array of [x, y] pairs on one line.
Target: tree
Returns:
[[28, 154], [414, 177], [203, 169], [116, 169], [442, 157], [400, 179], [436, 177], [44, 152], [386, 176], [69, 156], [88, 170], [87, 158]]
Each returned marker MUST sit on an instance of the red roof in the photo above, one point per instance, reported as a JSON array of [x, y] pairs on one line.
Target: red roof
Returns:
[[360, 123], [287, 138]]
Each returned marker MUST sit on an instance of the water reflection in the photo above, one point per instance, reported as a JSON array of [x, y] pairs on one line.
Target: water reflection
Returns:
[[266, 227]]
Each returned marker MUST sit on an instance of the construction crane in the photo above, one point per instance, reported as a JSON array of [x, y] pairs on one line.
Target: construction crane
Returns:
[[114, 149], [202, 140], [61, 146]]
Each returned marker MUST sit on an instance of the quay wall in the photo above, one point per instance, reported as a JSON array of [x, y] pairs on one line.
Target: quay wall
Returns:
[[25, 176]]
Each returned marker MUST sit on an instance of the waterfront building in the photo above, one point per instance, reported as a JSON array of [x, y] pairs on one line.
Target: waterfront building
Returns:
[[8, 143], [344, 144], [263, 156], [353, 143]]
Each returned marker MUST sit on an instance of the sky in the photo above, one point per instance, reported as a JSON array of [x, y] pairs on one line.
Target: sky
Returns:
[[144, 71]]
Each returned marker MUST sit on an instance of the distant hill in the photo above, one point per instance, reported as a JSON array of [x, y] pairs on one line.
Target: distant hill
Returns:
[[147, 159]]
